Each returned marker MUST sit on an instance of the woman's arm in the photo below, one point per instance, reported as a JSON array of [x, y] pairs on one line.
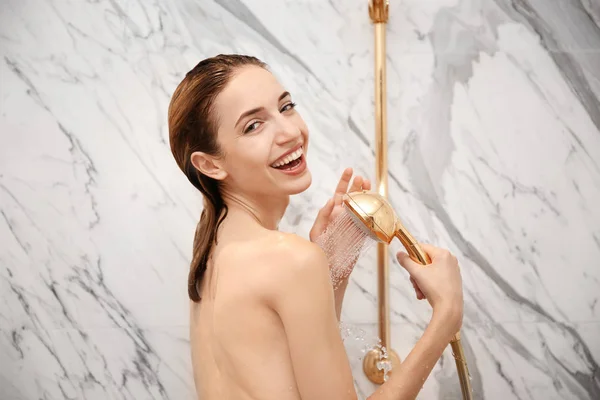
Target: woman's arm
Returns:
[[304, 300], [305, 303], [441, 284], [408, 379]]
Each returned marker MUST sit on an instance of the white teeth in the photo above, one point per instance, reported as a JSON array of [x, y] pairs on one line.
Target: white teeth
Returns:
[[289, 158]]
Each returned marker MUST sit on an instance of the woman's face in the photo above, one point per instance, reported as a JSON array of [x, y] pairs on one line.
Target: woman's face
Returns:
[[263, 138]]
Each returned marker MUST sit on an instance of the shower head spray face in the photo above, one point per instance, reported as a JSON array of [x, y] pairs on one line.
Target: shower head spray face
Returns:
[[377, 216]]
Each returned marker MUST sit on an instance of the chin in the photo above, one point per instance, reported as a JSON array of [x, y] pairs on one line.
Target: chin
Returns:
[[300, 184]]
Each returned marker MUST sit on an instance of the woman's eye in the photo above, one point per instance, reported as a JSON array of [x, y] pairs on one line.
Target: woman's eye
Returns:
[[288, 106], [252, 127]]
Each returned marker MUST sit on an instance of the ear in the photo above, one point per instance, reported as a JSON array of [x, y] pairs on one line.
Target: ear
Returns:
[[208, 165]]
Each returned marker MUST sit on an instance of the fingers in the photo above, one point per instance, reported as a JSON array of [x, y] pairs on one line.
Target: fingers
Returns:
[[418, 292], [412, 268], [433, 251], [436, 253], [429, 249], [342, 186], [357, 184], [408, 264], [366, 184]]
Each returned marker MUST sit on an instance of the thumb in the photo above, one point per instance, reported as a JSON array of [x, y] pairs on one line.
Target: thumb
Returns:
[[408, 264]]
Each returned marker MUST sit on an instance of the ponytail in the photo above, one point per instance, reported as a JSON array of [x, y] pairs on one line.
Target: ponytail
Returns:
[[213, 214]]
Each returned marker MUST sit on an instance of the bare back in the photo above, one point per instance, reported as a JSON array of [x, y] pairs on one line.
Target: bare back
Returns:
[[239, 346]]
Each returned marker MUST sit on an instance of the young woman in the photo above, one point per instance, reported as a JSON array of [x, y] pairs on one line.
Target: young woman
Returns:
[[264, 315]]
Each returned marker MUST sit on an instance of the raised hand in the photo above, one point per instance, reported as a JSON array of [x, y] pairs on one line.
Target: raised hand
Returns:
[[334, 206]]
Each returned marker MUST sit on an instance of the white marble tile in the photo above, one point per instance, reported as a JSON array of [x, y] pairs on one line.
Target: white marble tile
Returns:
[[500, 367], [97, 363], [494, 149]]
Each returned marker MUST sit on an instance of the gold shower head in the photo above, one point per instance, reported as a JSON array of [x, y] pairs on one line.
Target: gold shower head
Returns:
[[373, 213]]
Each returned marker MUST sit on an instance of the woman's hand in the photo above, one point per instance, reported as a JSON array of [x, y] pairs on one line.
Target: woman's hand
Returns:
[[439, 282], [334, 206]]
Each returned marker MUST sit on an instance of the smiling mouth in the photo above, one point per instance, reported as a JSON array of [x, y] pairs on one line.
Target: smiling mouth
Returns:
[[290, 161]]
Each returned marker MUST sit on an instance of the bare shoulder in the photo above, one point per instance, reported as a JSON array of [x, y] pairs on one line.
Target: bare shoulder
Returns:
[[291, 254], [278, 251], [297, 267], [294, 248], [281, 261]]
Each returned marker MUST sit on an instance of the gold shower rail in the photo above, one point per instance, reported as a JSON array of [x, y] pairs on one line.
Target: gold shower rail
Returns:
[[379, 12]]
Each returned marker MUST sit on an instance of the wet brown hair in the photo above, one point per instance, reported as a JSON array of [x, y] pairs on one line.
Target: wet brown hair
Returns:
[[193, 127]]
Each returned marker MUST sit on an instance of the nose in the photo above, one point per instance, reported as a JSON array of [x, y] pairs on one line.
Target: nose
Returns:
[[287, 130]]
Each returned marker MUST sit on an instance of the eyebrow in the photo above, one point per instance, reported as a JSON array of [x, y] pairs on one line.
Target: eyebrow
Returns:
[[257, 109]]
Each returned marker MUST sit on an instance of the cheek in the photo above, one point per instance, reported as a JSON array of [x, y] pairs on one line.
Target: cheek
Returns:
[[247, 155]]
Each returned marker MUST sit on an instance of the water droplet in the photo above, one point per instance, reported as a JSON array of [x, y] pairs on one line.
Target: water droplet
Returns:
[[358, 343]]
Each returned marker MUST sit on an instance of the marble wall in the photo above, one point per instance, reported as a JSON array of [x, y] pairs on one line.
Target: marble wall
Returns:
[[494, 148]]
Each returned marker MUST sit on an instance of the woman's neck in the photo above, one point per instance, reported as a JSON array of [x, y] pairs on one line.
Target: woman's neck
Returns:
[[266, 211]]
